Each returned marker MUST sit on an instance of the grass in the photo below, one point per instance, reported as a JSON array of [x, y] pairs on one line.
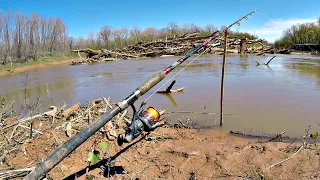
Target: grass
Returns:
[[43, 60]]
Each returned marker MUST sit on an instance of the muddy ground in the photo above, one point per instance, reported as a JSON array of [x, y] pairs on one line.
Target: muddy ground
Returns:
[[174, 151], [177, 154]]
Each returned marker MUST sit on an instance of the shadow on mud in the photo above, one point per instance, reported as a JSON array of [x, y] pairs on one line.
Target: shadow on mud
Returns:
[[108, 171]]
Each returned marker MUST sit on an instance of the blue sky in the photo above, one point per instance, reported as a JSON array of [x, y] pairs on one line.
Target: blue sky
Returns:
[[83, 16]]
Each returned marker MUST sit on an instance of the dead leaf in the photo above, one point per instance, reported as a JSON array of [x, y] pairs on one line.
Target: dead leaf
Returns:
[[69, 130]]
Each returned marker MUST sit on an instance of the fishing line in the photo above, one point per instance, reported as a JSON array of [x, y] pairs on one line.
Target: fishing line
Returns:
[[174, 76], [228, 27]]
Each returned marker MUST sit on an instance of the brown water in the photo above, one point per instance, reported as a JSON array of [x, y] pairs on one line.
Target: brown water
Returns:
[[282, 97]]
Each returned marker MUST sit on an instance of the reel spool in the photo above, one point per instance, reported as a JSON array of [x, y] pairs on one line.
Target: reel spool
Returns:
[[143, 120]]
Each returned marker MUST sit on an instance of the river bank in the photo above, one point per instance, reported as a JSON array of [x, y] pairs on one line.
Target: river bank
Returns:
[[176, 154], [174, 151], [34, 65]]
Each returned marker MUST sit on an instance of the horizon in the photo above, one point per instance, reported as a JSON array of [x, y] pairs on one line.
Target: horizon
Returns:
[[268, 23]]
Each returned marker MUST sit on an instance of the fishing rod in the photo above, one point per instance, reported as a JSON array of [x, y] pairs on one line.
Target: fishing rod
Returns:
[[150, 114]]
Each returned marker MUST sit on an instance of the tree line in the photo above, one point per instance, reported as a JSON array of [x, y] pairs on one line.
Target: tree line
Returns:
[[307, 33], [109, 37], [24, 37], [32, 37]]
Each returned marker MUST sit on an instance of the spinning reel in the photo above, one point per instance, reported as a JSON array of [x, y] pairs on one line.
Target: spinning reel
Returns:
[[146, 119]]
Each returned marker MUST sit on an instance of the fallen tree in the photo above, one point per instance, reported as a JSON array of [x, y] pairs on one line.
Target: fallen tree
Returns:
[[175, 46]]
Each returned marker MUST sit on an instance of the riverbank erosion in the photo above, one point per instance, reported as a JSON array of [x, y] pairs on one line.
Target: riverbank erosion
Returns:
[[172, 151], [36, 65]]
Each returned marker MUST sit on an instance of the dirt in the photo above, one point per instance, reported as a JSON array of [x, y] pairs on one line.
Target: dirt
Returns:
[[170, 152], [177, 154], [32, 67]]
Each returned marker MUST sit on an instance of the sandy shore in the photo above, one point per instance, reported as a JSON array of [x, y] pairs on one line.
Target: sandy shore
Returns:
[[32, 67]]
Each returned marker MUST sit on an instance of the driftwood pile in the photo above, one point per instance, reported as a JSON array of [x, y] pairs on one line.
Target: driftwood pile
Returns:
[[56, 124], [44, 132], [176, 46]]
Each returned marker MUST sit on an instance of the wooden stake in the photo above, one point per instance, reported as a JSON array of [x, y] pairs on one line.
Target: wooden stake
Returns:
[[243, 46], [222, 76]]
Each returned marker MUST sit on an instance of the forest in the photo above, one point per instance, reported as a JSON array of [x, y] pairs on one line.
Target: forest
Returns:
[[307, 33]]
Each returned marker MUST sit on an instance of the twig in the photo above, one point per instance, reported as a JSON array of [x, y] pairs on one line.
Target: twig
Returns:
[[107, 102], [32, 117], [27, 119], [287, 158], [277, 136], [34, 130], [122, 115], [56, 138], [31, 124], [269, 61], [13, 131], [185, 126], [4, 136], [17, 170], [89, 109], [292, 141]]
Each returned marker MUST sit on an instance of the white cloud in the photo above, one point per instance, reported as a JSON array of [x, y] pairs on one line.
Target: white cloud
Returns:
[[273, 28]]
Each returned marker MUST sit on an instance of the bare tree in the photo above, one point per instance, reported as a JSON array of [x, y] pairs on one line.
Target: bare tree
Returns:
[[173, 28], [80, 43], [44, 35], [318, 21], [125, 35], [150, 33], [105, 34], [195, 28], [191, 28], [18, 34], [136, 33], [56, 32], [25, 37], [117, 34], [33, 36], [1, 39], [163, 33], [91, 39], [7, 28], [210, 28]]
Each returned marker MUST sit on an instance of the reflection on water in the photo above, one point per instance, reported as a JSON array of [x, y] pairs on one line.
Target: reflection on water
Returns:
[[282, 97], [244, 62], [306, 67]]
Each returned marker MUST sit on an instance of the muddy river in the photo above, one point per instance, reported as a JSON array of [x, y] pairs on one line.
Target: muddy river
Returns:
[[282, 97]]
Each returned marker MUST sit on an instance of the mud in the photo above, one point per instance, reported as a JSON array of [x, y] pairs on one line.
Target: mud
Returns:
[[204, 154]]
